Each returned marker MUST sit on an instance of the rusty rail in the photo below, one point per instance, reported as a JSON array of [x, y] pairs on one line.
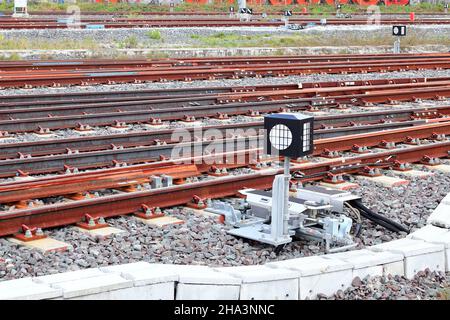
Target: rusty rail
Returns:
[[109, 206]]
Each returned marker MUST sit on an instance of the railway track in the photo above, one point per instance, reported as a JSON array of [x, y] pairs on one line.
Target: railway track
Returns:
[[59, 155], [218, 187], [89, 64], [198, 69], [17, 117], [209, 13], [110, 23]]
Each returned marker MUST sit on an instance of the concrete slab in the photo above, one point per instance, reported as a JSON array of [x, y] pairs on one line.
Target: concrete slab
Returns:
[[433, 234], [413, 173], [264, 283], [366, 262], [44, 245], [68, 276], [91, 288], [150, 281], [418, 255], [203, 283], [201, 212], [161, 222], [26, 289], [127, 267], [445, 168], [385, 181], [157, 291], [429, 233], [446, 199], [26, 178], [143, 273], [340, 186], [440, 216], [318, 274], [101, 232], [186, 291], [44, 135]]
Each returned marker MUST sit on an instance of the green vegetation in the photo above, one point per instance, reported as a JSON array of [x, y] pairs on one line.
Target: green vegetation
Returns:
[[154, 35], [130, 42], [28, 44], [232, 40]]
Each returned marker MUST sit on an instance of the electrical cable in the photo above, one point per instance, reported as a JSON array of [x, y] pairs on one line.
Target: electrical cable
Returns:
[[379, 219]]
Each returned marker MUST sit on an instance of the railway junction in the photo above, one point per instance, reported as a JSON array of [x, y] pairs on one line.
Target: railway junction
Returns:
[[279, 174]]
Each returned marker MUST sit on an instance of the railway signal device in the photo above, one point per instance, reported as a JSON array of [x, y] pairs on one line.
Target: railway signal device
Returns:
[[287, 14], [313, 213], [20, 9], [289, 135], [398, 31]]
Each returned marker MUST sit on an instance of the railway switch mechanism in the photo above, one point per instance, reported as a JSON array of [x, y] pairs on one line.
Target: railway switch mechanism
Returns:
[[312, 213]]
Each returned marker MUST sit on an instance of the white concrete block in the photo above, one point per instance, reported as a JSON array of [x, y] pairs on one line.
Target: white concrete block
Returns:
[[26, 289], [428, 233], [127, 267], [92, 287], [418, 255], [151, 281], [186, 291], [440, 216], [385, 181], [149, 276], [433, 234], [157, 291], [394, 268], [69, 276], [318, 274], [204, 283], [264, 283], [446, 199], [366, 262]]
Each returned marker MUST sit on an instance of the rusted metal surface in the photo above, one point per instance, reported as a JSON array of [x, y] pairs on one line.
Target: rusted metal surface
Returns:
[[232, 68], [17, 191], [101, 151], [17, 23], [370, 93], [70, 213]]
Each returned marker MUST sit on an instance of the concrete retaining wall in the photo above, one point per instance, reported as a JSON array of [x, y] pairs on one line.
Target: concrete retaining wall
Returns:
[[300, 278]]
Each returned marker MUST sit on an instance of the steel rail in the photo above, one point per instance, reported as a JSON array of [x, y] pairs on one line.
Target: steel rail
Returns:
[[208, 73], [386, 120], [88, 64], [26, 111], [210, 64], [41, 100], [97, 156], [177, 113], [209, 23], [12, 192], [69, 213]]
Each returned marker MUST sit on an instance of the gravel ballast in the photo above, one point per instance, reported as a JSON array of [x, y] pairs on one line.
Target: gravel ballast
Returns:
[[201, 240]]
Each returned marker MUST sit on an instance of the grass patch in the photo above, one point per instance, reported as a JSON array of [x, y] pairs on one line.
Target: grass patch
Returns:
[[154, 34], [130, 42], [232, 40], [29, 44]]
